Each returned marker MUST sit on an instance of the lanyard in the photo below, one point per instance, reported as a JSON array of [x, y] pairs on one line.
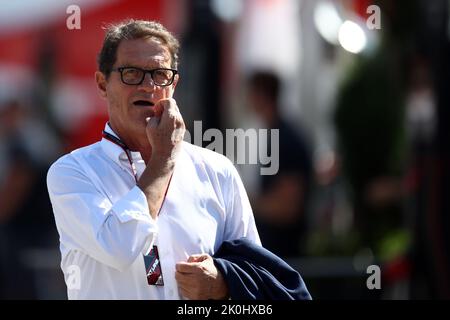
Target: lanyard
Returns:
[[121, 144], [124, 147]]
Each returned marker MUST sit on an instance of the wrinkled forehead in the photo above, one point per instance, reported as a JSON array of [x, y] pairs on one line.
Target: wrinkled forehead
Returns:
[[144, 52]]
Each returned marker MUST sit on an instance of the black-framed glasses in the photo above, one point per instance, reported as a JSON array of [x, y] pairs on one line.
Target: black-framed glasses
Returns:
[[135, 76]]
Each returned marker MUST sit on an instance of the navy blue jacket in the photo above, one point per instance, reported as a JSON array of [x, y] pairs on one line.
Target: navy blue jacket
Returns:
[[254, 273]]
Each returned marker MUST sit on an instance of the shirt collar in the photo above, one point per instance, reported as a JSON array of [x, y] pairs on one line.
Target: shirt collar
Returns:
[[115, 152]]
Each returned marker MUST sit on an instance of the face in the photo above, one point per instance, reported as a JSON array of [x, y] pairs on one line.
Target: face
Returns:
[[130, 105]]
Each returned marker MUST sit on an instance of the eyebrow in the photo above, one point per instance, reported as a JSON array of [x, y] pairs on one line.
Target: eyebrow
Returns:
[[153, 65], [145, 69]]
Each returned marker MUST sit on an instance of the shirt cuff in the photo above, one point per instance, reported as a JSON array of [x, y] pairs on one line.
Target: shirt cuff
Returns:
[[134, 206]]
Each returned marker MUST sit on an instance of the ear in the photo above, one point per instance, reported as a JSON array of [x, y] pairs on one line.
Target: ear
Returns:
[[171, 89], [175, 81], [100, 79]]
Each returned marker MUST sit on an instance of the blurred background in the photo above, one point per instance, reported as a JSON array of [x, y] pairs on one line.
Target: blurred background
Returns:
[[357, 89]]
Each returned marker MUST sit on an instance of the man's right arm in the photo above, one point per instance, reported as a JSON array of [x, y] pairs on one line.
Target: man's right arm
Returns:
[[154, 183], [165, 133], [114, 234]]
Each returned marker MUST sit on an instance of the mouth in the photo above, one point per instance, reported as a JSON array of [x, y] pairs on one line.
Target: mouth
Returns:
[[143, 103]]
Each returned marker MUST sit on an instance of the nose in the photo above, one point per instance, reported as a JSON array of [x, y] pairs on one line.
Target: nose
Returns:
[[147, 84]]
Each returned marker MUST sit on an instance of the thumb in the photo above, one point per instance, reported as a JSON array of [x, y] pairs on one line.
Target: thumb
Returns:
[[153, 121], [158, 109]]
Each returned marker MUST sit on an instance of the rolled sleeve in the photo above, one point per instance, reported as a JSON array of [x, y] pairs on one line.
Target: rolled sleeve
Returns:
[[134, 206]]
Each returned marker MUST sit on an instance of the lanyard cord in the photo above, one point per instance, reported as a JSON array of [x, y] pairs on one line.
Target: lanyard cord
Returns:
[[124, 147], [120, 143]]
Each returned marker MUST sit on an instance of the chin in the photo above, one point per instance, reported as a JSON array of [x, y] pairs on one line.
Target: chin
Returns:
[[142, 125]]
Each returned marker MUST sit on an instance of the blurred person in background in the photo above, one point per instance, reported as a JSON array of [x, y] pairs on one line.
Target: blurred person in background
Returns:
[[141, 212], [26, 150], [280, 207]]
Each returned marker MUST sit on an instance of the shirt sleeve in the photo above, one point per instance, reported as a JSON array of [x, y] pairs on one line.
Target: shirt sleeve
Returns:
[[240, 221], [113, 233]]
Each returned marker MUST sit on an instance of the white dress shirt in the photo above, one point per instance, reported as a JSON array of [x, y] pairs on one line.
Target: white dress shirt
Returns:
[[105, 226]]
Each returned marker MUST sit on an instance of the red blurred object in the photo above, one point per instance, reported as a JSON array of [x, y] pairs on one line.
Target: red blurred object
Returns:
[[73, 53], [360, 7], [79, 48], [76, 49], [90, 132], [396, 270]]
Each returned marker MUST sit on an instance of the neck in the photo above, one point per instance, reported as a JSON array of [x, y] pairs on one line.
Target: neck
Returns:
[[138, 142]]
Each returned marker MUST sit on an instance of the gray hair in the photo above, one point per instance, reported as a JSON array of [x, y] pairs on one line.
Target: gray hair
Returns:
[[129, 30]]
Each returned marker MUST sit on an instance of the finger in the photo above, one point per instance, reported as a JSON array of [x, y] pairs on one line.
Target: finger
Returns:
[[153, 121], [169, 114], [185, 277], [165, 93], [187, 281], [159, 108], [191, 292], [179, 121], [197, 257], [175, 105], [185, 284], [156, 118], [172, 118], [172, 109], [185, 293], [178, 134], [188, 267], [182, 279]]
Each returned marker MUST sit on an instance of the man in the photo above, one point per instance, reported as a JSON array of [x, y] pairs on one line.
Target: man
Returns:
[[141, 212], [280, 206]]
